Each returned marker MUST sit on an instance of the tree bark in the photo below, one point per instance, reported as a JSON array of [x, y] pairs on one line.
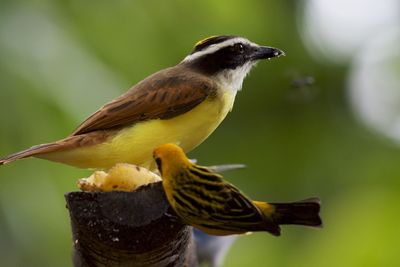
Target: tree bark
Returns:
[[128, 229]]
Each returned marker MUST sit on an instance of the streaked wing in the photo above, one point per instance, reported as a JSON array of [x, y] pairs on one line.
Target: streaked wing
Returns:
[[163, 95], [236, 214], [240, 207], [210, 202]]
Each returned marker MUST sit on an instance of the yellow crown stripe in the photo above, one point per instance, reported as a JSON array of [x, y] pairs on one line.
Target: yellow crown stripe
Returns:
[[204, 40]]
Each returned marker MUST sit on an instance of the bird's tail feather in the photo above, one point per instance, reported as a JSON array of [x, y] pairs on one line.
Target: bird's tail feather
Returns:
[[71, 142], [304, 212], [35, 150]]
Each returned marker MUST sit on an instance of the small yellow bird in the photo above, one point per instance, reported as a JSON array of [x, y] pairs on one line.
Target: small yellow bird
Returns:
[[202, 198]]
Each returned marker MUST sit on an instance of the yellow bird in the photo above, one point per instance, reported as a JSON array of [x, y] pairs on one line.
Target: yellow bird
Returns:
[[183, 104], [202, 198]]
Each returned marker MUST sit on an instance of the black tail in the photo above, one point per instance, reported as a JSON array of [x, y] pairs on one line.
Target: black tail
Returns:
[[304, 212]]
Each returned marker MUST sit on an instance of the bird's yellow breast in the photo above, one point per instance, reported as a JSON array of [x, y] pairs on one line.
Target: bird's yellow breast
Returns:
[[135, 144]]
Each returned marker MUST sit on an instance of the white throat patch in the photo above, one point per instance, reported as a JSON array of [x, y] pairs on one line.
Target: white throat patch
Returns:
[[233, 79]]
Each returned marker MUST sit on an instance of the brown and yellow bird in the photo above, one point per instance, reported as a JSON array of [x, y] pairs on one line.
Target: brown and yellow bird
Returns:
[[202, 198], [182, 104]]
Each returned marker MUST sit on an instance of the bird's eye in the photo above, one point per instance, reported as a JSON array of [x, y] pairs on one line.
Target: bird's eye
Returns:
[[239, 48], [159, 163]]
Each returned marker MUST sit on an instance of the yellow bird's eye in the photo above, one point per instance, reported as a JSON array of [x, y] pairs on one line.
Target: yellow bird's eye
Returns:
[[158, 162]]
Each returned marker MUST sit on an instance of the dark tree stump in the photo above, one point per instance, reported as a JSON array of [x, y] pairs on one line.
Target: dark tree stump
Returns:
[[128, 229]]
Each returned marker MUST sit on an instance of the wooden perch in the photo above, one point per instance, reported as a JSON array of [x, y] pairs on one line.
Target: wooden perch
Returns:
[[128, 229]]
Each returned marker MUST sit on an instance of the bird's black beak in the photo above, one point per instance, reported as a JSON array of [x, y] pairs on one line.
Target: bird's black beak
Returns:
[[266, 52]]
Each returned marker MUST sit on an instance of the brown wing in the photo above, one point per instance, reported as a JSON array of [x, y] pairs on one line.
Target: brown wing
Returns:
[[163, 95]]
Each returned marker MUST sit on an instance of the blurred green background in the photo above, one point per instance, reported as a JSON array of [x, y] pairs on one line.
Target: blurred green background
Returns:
[[322, 121]]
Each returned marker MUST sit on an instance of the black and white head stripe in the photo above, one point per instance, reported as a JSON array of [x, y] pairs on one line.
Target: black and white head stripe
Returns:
[[213, 40], [213, 44], [228, 58]]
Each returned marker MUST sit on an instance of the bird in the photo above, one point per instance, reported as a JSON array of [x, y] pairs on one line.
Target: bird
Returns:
[[182, 104], [203, 199]]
